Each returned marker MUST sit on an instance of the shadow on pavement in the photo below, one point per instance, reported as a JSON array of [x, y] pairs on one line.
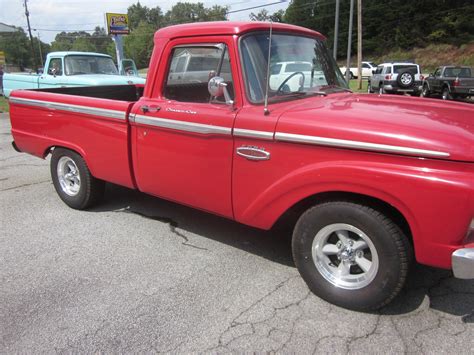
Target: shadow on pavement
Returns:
[[425, 284]]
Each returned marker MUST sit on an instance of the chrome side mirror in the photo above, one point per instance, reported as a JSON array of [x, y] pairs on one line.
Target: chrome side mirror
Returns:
[[217, 87]]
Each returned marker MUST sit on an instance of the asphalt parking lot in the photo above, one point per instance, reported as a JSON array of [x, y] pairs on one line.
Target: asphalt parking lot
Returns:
[[141, 274]]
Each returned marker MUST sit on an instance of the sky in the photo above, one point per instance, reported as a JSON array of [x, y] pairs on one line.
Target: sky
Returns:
[[49, 17]]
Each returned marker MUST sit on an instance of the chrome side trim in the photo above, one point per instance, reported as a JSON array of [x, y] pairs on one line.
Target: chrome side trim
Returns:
[[463, 263], [182, 125], [248, 133], [342, 143], [120, 115]]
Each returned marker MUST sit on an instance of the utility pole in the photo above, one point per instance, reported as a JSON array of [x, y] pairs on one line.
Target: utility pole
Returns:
[[40, 51], [349, 43], [31, 36], [336, 30], [359, 44]]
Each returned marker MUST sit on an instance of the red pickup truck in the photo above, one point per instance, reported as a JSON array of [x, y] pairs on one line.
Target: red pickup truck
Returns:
[[372, 180]]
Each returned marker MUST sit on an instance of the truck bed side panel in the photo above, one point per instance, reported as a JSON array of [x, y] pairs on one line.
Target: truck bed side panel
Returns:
[[96, 128]]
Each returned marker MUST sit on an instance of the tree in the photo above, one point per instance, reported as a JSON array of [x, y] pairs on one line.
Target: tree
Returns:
[[16, 47], [138, 45], [263, 15], [138, 13], [82, 41], [185, 12]]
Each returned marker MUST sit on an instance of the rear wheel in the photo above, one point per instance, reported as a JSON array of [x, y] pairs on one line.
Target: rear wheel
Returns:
[[351, 255], [381, 90], [446, 95], [73, 180], [369, 88]]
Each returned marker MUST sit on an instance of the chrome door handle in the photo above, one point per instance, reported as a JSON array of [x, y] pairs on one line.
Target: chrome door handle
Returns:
[[146, 108], [253, 153]]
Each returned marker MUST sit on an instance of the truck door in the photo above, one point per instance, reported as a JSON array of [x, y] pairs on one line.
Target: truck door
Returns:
[[435, 82], [53, 76], [183, 136]]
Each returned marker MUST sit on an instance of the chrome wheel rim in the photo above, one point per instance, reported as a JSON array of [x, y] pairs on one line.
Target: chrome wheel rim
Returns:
[[68, 176], [406, 79], [345, 256]]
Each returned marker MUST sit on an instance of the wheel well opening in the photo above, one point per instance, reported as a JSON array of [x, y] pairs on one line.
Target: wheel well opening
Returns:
[[291, 216]]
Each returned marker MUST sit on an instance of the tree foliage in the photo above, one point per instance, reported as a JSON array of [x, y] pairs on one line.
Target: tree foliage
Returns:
[[390, 24], [145, 21], [17, 48], [264, 15]]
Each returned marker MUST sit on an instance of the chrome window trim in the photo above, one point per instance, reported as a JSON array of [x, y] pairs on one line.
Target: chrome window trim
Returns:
[[342, 143], [249, 133], [182, 125], [120, 115]]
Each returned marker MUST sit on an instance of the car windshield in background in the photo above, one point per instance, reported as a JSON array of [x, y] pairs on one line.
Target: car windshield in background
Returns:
[[85, 64], [401, 68], [308, 67]]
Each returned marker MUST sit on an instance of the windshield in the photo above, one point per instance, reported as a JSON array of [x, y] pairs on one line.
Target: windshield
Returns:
[[86, 64], [308, 67]]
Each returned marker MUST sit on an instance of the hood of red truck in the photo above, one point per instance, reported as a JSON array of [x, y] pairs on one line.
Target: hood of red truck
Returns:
[[386, 123]]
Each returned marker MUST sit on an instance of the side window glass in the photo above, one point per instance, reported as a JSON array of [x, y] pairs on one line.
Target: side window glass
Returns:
[[365, 65], [275, 69], [190, 70], [55, 67], [437, 72], [379, 70], [388, 70]]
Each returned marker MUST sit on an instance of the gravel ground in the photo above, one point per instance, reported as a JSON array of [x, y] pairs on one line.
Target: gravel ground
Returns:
[[141, 274]]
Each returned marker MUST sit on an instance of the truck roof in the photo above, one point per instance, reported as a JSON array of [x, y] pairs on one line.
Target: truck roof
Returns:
[[64, 53], [228, 28]]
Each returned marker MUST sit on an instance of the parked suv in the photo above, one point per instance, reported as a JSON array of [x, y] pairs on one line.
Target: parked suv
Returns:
[[396, 78]]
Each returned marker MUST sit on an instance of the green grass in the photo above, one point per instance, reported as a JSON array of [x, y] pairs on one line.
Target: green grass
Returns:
[[354, 87], [3, 104]]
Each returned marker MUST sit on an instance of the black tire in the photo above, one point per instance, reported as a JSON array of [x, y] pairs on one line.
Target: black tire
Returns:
[[85, 191], [390, 261], [381, 90], [369, 88], [425, 92], [445, 94], [405, 79]]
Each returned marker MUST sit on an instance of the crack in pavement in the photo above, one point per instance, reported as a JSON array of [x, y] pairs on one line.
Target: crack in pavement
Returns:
[[365, 336], [235, 323], [173, 225], [5, 167], [24, 185]]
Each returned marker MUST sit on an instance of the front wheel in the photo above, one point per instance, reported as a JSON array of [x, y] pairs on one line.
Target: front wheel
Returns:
[[351, 255], [73, 180], [425, 92]]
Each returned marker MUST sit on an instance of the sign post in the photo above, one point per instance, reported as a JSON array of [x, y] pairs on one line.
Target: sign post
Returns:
[[117, 25]]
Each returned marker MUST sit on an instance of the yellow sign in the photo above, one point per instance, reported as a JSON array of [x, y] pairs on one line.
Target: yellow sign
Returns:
[[117, 24], [2, 58]]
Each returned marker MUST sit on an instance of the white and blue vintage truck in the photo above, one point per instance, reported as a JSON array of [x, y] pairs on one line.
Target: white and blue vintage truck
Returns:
[[69, 69]]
